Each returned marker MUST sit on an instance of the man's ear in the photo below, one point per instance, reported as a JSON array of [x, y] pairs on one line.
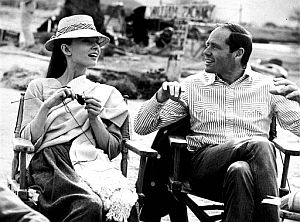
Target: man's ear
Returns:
[[239, 53], [66, 49]]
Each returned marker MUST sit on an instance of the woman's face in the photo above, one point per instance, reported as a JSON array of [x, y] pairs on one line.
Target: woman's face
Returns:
[[85, 51]]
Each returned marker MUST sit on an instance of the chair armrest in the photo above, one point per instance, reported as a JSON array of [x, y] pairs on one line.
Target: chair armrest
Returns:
[[291, 216], [287, 148], [21, 148], [144, 151], [140, 148], [22, 145], [177, 143]]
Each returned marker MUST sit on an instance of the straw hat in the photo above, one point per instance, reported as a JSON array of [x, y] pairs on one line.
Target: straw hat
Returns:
[[76, 26]]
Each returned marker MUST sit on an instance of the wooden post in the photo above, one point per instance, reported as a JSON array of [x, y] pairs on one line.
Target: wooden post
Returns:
[[27, 9]]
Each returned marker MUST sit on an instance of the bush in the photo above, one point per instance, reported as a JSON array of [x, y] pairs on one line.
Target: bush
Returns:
[[138, 86], [19, 78]]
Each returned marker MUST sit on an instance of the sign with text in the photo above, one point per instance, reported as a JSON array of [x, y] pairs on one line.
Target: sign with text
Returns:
[[192, 12]]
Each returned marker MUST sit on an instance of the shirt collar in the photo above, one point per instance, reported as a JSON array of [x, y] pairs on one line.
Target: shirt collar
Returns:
[[212, 78]]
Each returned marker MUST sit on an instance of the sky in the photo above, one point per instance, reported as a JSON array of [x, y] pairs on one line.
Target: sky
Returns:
[[253, 11]]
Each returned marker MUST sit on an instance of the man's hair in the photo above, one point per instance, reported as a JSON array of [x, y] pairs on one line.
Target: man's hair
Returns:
[[239, 38]]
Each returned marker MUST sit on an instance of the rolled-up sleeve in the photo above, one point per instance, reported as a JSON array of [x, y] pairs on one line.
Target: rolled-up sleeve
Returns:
[[153, 115], [288, 113], [32, 104]]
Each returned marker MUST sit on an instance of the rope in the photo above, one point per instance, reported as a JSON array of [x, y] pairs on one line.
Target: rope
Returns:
[[69, 111]]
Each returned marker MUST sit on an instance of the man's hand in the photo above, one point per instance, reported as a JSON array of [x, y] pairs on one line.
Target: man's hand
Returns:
[[168, 90], [286, 88]]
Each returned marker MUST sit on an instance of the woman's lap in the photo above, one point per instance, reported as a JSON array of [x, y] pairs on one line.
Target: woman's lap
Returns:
[[61, 187]]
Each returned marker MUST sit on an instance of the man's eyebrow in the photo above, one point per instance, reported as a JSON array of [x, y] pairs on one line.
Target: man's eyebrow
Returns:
[[212, 43]]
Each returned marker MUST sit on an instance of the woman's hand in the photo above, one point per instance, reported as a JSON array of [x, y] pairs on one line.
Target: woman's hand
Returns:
[[93, 106], [59, 96], [286, 88]]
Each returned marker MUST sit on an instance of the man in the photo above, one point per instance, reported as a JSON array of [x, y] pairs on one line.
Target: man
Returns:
[[230, 108], [13, 209]]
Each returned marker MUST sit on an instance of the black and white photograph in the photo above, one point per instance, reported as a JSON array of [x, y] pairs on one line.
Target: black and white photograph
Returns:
[[150, 110]]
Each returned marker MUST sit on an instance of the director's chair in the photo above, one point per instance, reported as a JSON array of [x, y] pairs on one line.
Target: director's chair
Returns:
[[23, 148], [166, 174]]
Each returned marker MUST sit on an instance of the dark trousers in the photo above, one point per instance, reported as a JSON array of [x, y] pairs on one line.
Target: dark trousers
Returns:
[[240, 174], [64, 195]]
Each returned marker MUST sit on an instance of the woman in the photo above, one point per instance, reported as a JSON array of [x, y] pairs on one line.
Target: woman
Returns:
[[76, 127]]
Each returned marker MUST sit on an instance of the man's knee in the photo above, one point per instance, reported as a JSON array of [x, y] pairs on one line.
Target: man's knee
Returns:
[[238, 175], [261, 147], [262, 143], [239, 168]]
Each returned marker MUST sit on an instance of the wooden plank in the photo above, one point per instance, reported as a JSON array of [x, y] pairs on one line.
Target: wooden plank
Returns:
[[140, 148]]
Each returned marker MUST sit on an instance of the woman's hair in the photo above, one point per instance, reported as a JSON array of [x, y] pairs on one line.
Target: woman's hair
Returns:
[[58, 62], [239, 38]]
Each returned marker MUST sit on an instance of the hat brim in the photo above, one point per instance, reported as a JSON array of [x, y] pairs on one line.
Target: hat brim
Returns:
[[82, 33]]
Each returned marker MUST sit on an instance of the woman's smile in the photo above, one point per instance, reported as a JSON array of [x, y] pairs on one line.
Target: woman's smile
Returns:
[[94, 55]]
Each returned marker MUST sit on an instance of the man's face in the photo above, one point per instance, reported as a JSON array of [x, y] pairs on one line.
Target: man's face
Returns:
[[217, 56]]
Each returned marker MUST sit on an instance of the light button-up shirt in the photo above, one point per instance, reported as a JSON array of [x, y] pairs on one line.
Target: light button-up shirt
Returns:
[[219, 111]]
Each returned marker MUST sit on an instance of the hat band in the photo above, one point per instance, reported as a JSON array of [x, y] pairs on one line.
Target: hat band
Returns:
[[74, 27]]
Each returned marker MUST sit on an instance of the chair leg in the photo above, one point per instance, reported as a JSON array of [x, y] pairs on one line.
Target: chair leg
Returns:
[[179, 213], [283, 190], [134, 214]]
